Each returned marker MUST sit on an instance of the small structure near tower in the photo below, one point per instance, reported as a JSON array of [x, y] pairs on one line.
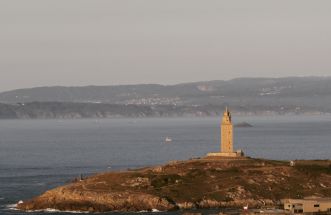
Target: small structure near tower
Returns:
[[226, 138]]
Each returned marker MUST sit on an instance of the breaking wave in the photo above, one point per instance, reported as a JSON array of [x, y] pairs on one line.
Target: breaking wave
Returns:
[[58, 211], [12, 207]]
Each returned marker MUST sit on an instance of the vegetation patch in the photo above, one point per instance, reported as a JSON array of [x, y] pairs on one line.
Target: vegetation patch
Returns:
[[159, 181], [219, 196], [313, 169]]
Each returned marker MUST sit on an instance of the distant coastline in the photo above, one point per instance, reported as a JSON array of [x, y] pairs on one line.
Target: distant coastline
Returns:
[[245, 96], [70, 110]]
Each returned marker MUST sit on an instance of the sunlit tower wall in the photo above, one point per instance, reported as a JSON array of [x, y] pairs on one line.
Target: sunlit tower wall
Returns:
[[227, 133]]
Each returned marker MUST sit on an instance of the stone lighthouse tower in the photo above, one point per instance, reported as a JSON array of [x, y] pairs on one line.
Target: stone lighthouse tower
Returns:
[[226, 138], [227, 133]]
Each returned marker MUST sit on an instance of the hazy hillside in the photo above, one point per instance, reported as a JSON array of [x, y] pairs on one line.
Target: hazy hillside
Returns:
[[212, 92], [245, 95], [65, 110]]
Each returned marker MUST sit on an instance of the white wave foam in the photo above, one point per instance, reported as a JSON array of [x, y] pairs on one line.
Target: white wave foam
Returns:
[[12, 207], [40, 184], [153, 211], [52, 210]]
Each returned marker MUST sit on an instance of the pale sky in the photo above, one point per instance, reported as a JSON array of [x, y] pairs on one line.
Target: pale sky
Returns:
[[106, 42]]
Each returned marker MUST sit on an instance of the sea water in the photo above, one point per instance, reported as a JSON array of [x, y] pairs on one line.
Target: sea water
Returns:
[[37, 155]]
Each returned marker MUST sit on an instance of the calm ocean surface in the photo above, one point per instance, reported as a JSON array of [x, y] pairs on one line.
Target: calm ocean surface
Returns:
[[36, 155]]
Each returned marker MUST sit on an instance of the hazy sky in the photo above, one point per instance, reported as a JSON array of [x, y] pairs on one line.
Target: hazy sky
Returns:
[[101, 42]]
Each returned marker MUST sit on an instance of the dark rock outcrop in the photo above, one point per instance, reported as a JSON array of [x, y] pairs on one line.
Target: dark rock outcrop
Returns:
[[243, 125]]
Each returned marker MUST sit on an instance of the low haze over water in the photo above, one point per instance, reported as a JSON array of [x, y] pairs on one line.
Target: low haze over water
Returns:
[[36, 155]]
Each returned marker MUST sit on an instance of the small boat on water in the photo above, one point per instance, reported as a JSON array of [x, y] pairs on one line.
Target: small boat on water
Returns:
[[168, 140]]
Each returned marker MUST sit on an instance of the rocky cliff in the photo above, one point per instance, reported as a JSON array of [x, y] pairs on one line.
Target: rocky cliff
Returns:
[[198, 183]]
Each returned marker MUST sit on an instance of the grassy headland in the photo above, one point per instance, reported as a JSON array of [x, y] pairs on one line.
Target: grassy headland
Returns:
[[198, 183]]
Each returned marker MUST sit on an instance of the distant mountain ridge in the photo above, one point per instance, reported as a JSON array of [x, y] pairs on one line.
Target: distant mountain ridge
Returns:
[[248, 95], [187, 93]]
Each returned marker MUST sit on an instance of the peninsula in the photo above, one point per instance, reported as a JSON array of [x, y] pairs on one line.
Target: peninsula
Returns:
[[221, 179], [199, 183]]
